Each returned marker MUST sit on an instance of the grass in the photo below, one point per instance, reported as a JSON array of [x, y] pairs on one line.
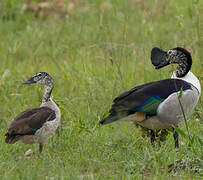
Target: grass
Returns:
[[100, 50]]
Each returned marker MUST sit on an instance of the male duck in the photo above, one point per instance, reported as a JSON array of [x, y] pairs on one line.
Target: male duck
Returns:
[[38, 124], [155, 105]]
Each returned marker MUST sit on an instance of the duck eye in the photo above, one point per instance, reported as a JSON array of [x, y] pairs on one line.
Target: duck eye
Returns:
[[170, 52], [39, 74]]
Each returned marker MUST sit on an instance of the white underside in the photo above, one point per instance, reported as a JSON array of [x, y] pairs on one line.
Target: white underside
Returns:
[[150, 123], [169, 112], [190, 78]]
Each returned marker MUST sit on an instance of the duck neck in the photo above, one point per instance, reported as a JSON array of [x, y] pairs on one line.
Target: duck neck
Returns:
[[182, 69], [184, 65], [47, 93]]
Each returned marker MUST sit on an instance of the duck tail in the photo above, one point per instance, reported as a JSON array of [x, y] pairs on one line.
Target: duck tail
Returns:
[[109, 119], [11, 139]]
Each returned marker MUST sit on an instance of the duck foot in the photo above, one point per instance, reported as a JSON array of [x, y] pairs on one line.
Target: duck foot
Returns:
[[40, 147], [175, 136], [152, 138]]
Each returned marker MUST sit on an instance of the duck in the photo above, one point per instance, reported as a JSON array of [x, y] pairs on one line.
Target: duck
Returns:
[[36, 125], [160, 104]]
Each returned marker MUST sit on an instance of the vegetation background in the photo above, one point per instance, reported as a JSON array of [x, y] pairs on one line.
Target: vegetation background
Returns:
[[94, 50]]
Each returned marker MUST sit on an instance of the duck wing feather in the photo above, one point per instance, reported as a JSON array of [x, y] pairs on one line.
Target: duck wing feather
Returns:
[[28, 122], [144, 98]]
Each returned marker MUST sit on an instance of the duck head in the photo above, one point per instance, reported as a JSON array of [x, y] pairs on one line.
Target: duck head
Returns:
[[42, 78], [178, 55], [45, 79]]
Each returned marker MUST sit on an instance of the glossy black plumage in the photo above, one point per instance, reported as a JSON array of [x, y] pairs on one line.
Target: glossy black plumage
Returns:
[[132, 101]]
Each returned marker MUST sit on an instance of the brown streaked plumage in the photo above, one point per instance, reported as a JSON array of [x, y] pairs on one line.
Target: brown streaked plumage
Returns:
[[38, 124], [28, 122]]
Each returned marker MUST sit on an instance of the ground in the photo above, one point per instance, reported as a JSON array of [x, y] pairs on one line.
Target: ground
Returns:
[[94, 50]]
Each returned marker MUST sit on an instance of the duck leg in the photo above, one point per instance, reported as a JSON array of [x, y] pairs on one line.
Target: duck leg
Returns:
[[152, 138], [175, 136], [40, 147]]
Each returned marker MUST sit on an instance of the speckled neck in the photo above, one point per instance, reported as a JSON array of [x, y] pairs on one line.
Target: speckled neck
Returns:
[[184, 61], [182, 69], [47, 92]]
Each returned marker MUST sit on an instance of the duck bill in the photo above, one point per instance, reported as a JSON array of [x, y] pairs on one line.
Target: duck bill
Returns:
[[159, 58], [162, 64], [30, 81]]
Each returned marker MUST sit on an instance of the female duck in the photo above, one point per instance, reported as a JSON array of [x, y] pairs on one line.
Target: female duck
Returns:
[[155, 105], [38, 124]]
